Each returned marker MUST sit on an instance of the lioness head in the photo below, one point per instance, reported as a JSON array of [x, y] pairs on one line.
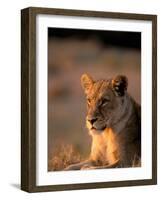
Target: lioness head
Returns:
[[105, 101]]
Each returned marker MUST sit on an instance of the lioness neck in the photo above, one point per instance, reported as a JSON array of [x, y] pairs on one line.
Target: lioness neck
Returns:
[[127, 112], [104, 147]]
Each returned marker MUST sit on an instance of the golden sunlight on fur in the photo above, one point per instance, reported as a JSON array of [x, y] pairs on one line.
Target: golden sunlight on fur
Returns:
[[114, 123], [104, 147]]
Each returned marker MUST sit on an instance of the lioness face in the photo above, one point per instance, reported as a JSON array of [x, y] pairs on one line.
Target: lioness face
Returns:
[[105, 101]]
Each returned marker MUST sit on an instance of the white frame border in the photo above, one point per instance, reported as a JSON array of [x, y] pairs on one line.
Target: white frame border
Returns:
[[43, 177]]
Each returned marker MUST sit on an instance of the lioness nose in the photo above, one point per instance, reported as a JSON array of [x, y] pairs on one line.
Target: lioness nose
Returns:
[[92, 120]]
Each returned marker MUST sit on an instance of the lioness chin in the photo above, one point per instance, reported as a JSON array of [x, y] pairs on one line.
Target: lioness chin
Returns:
[[114, 123]]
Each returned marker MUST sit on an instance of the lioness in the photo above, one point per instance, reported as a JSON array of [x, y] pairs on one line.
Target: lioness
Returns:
[[114, 122]]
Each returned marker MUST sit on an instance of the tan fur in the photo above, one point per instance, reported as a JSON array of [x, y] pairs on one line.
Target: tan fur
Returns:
[[104, 147], [114, 123]]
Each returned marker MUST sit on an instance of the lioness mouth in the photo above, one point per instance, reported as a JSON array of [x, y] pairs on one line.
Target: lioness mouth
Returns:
[[98, 129]]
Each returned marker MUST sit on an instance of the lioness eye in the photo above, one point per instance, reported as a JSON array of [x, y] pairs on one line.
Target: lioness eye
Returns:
[[104, 101]]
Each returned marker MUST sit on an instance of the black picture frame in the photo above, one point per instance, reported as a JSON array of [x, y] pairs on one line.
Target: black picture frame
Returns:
[[28, 98]]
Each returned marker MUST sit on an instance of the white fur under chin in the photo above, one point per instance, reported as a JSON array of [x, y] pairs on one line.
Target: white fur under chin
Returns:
[[95, 132]]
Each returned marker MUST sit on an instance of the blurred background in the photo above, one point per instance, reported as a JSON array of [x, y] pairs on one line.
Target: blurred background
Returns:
[[72, 52]]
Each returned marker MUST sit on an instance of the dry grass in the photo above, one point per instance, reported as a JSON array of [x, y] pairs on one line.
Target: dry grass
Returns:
[[136, 162], [64, 156]]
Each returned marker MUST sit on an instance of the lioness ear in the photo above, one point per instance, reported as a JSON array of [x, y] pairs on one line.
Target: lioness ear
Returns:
[[119, 85], [86, 82]]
